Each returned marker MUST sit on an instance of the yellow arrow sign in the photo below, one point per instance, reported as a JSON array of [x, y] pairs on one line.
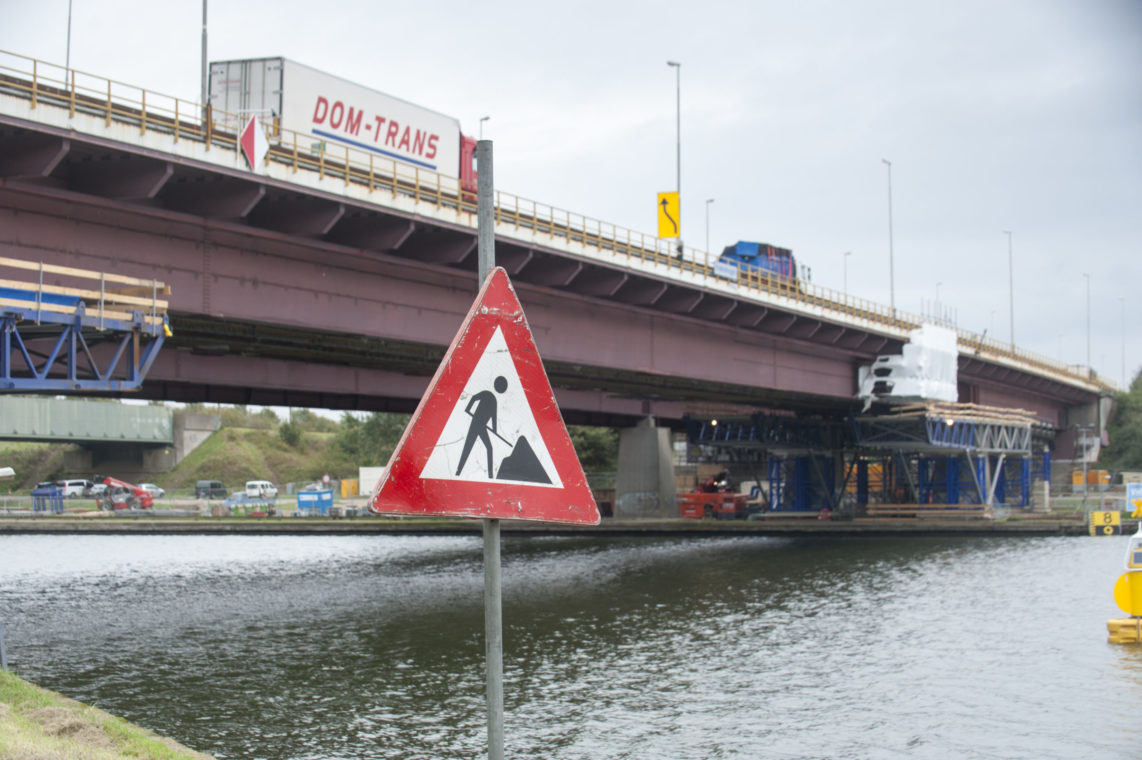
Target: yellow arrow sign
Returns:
[[669, 216], [1128, 593], [1137, 507]]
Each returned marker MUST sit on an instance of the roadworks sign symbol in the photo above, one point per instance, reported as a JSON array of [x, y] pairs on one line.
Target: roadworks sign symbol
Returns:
[[491, 434], [487, 439]]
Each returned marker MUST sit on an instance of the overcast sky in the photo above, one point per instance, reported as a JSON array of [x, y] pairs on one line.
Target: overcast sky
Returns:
[[1020, 115]]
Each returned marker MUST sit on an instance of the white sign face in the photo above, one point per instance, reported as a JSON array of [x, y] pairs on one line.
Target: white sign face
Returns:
[[1133, 496], [337, 113], [725, 269], [491, 435]]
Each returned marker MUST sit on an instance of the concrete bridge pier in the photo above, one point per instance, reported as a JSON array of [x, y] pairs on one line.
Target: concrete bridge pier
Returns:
[[644, 483]]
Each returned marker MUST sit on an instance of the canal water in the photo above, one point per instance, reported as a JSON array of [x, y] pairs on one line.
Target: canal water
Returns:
[[642, 648]]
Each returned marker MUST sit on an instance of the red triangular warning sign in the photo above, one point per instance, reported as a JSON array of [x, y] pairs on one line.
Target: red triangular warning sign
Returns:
[[487, 439]]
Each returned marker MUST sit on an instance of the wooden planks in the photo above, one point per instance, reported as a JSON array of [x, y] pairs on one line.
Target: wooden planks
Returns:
[[110, 296]]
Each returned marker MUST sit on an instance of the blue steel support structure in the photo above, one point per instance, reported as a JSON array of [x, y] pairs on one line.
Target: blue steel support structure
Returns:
[[932, 445], [776, 484], [51, 350]]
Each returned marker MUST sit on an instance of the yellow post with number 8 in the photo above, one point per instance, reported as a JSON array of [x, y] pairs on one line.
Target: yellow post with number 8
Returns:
[[1106, 523]]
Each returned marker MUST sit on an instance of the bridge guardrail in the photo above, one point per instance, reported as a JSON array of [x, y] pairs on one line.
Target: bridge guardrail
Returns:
[[49, 84]]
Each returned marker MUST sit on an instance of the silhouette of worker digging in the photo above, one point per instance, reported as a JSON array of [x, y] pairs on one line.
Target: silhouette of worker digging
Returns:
[[521, 464]]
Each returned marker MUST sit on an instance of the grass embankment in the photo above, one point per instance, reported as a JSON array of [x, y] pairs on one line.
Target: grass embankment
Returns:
[[235, 455], [232, 455], [37, 724], [29, 460]]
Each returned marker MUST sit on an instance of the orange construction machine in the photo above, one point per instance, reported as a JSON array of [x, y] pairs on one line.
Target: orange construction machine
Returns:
[[120, 494]]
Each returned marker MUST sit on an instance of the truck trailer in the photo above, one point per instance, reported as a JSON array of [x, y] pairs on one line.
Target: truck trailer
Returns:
[[321, 112]]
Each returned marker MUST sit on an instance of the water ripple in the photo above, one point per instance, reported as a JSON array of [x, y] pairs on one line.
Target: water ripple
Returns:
[[291, 648]]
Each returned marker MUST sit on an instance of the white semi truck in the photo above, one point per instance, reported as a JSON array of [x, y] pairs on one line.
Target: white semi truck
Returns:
[[323, 111]]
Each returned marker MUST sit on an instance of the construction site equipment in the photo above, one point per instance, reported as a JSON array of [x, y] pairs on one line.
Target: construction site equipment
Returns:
[[719, 506], [67, 329], [927, 453], [122, 495]]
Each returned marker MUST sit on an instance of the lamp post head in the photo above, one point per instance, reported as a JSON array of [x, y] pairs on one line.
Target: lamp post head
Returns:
[[674, 63], [887, 162]]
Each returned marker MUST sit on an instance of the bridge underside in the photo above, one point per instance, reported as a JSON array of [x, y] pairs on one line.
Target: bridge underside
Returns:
[[228, 362]]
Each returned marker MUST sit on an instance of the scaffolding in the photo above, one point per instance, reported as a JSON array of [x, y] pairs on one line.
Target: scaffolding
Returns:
[[932, 453], [53, 320]]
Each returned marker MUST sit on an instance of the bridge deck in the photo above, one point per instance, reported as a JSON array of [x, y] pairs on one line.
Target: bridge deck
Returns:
[[110, 106]]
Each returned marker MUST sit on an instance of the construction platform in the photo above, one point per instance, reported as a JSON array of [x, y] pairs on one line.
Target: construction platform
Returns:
[[934, 454], [66, 329]]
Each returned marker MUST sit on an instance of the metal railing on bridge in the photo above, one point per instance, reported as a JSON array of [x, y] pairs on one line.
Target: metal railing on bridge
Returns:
[[46, 84]]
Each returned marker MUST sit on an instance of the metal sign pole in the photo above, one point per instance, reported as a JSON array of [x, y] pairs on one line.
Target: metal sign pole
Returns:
[[493, 602]]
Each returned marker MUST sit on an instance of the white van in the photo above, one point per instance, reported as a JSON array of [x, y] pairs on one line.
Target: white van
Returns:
[[261, 489], [72, 489]]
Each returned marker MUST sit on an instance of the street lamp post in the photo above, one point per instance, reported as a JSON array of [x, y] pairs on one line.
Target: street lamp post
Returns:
[[205, 66], [708, 202], [1086, 440], [67, 58], [846, 268], [1086, 276], [1010, 287], [891, 267], [1122, 303], [677, 128], [678, 141], [482, 120]]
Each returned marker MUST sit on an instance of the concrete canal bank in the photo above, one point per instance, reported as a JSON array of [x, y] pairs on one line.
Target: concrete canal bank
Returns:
[[777, 526]]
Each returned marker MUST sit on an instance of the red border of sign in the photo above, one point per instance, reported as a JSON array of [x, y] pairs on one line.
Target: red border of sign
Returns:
[[403, 491]]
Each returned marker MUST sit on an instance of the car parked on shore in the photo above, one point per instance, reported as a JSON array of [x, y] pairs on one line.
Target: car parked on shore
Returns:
[[210, 489], [73, 488], [153, 490], [261, 489]]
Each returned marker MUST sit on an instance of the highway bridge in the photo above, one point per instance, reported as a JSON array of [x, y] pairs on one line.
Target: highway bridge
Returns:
[[335, 279]]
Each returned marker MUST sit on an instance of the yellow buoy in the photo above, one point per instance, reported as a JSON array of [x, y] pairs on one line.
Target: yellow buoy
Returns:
[[1128, 593], [1124, 630]]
